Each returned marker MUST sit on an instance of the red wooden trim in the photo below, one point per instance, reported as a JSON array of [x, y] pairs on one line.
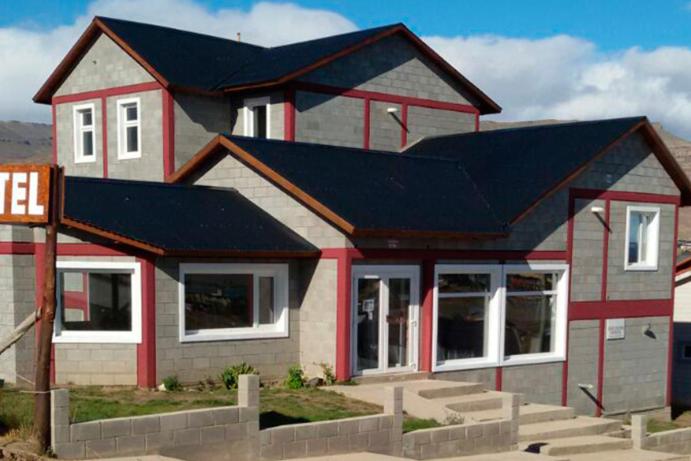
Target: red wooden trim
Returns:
[[54, 134], [366, 123], [404, 122], [625, 196], [17, 248], [87, 249], [381, 253], [289, 114], [343, 317], [605, 253], [569, 259], [600, 367], [385, 97], [106, 92], [477, 122], [427, 315], [146, 350], [168, 133], [670, 346], [104, 134], [592, 310], [498, 378], [565, 374]]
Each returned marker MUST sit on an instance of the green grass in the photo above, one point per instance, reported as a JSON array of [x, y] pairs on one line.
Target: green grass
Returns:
[[655, 425], [414, 424], [278, 406]]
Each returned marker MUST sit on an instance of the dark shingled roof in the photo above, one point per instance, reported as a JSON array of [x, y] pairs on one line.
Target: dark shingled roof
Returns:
[[511, 168], [177, 219]]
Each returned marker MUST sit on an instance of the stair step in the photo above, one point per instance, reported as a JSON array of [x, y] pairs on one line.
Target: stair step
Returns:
[[529, 414], [451, 389], [585, 444], [488, 400], [628, 455], [507, 456], [391, 378], [581, 425]]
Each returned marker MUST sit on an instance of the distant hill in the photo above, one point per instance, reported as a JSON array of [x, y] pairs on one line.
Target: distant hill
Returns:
[[22, 142]]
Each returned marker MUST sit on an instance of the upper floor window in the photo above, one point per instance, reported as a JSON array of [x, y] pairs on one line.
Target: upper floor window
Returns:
[[84, 133], [257, 117], [129, 129], [642, 237]]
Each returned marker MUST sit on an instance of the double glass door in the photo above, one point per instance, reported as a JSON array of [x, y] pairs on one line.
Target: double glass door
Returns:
[[385, 318]]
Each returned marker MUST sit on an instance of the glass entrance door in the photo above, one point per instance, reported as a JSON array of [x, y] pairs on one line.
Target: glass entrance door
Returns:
[[385, 310]]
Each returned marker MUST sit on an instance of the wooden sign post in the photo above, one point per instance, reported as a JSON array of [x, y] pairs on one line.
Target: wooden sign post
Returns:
[[30, 194]]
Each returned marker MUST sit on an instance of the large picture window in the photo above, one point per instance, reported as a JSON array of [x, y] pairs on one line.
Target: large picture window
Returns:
[[642, 237], [98, 302], [233, 301], [489, 315]]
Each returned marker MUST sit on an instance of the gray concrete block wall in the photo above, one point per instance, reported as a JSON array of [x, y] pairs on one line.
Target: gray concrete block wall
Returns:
[[104, 65], [328, 119], [64, 121], [681, 368], [96, 364], [636, 367], [150, 165], [484, 376], [392, 65], [318, 315], [423, 121], [539, 383], [197, 120], [583, 359], [195, 361], [229, 172], [588, 231], [385, 128], [677, 441], [627, 284], [276, 118]]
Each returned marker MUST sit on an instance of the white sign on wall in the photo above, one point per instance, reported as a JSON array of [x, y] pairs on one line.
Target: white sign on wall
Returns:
[[616, 329]]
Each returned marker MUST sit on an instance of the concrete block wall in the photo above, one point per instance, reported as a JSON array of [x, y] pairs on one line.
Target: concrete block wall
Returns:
[[96, 364], [539, 383], [229, 172], [485, 376], [195, 361], [385, 128], [677, 441], [588, 231], [64, 133], [635, 377], [328, 119], [378, 434], [276, 114], [583, 357], [467, 439], [205, 431], [423, 121]]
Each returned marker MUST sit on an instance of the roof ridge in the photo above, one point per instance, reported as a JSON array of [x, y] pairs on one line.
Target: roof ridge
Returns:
[[482, 197], [183, 31], [358, 31]]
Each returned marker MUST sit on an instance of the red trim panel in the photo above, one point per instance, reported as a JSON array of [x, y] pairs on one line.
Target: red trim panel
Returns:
[[87, 249], [104, 134], [427, 315], [343, 317], [17, 248], [289, 115], [600, 367], [625, 196], [605, 252], [54, 132], [366, 123], [146, 350], [670, 347], [115, 91], [168, 133], [377, 253], [499, 378], [593, 310]]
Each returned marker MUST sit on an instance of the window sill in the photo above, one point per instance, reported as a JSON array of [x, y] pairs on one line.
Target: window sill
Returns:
[[97, 338], [640, 268], [129, 156], [532, 359], [235, 336], [85, 160], [464, 364]]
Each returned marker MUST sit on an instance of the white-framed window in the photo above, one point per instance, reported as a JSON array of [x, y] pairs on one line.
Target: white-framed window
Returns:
[[642, 237], [492, 315], [98, 302], [129, 128], [227, 301], [257, 117], [84, 116]]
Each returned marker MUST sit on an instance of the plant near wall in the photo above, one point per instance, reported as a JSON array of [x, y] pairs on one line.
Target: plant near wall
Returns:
[[231, 374], [296, 378], [328, 373], [172, 384]]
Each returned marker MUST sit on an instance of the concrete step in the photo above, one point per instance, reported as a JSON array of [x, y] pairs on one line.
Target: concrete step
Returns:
[[392, 378], [506, 456], [529, 414], [581, 425], [584, 444], [488, 400], [451, 389], [628, 455]]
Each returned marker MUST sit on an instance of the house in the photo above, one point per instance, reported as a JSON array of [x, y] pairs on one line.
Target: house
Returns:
[[331, 202]]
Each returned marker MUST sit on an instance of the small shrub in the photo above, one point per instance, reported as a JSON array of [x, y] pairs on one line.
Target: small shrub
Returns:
[[296, 378], [171, 383], [231, 375], [328, 372]]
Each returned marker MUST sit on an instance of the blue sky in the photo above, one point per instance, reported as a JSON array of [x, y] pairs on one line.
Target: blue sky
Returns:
[[611, 24], [539, 59]]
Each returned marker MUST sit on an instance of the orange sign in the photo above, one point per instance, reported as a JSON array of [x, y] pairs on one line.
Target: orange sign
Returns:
[[24, 194]]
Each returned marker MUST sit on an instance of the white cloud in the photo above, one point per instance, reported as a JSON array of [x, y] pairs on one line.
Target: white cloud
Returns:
[[556, 77], [30, 55]]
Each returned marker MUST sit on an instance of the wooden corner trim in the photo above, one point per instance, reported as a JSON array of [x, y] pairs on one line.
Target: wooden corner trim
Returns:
[[195, 162], [111, 235]]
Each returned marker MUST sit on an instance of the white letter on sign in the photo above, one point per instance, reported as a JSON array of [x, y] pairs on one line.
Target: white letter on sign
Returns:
[[34, 207], [4, 177], [18, 193]]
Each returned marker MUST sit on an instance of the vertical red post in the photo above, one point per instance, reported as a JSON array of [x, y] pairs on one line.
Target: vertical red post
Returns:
[[104, 134], [605, 253], [427, 315], [343, 315], [600, 368], [289, 115], [168, 133], [366, 127], [404, 122], [670, 347], [477, 121], [54, 132], [499, 378], [146, 350]]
